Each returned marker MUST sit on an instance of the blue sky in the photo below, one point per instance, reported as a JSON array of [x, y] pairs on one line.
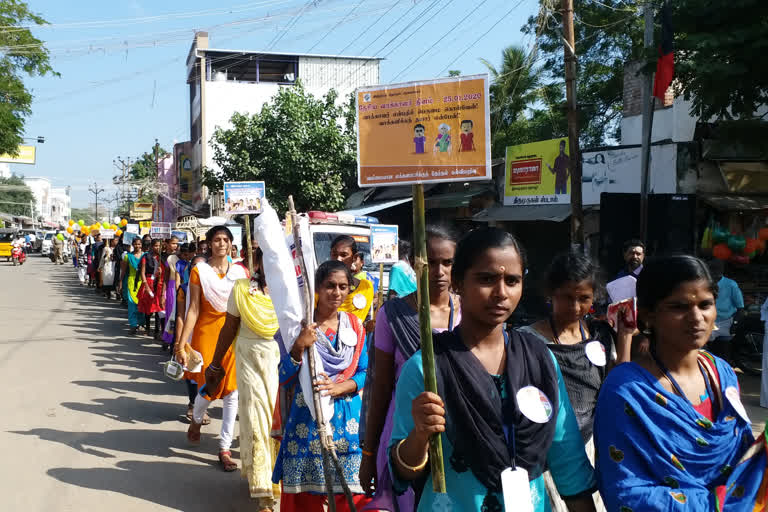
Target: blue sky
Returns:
[[122, 63]]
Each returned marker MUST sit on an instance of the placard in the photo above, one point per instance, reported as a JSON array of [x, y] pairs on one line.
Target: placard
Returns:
[[384, 244], [237, 235], [181, 235], [161, 230], [243, 197], [107, 234], [424, 132], [128, 238], [538, 173], [132, 228]]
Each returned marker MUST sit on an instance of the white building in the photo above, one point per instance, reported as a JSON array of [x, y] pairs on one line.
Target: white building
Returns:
[[5, 170], [61, 205], [41, 189], [243, 81]]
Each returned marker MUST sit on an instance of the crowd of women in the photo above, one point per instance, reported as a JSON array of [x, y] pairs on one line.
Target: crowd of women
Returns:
[[559, 415]]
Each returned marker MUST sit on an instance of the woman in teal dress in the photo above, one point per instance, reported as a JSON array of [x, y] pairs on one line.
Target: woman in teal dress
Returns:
[[502, 402], [132, 283], [340, 341]]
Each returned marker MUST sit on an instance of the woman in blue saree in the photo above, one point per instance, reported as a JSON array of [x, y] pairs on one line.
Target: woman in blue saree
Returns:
[[670, 430]]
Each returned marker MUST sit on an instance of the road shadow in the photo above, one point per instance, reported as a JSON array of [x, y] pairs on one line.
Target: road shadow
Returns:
[[127, 409], [223, 492]]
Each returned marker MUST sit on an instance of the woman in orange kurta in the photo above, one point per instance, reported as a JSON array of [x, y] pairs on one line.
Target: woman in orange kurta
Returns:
[[209, 287]]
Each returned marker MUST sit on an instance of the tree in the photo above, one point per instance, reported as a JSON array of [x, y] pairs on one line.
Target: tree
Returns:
[[16, 198], [86, 214], [516, 96], [20, 54], [143, 173], [298, 144]]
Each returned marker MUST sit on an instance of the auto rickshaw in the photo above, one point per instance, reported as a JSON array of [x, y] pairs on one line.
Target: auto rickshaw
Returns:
[[6, 242]]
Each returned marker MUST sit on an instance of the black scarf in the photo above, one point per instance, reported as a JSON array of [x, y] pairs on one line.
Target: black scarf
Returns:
[[476, 416]]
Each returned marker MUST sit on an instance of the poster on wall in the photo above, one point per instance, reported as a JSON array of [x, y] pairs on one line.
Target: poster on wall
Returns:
[[422, 132], [384, 244], [538, 173], [243, 197], [618, 170]]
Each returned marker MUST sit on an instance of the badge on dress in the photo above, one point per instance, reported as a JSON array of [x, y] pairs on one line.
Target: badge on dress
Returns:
[[534, 404], [595, 353], [348, 337], [732, 394], [516, 490], [359, 301]]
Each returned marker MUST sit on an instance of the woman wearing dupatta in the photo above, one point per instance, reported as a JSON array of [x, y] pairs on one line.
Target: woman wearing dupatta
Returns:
[[340, 341], [397, 339], [360, 297], [670, 429], [251, 325], [131, 284], [151, 294], [502, 405], [210, 285]]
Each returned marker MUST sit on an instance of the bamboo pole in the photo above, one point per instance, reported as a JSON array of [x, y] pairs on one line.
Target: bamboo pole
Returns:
[[425, 326], [380, 300], [326, 437], [249, 250]]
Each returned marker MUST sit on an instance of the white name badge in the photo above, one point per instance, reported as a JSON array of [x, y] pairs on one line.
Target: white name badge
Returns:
[[359, 301], [516, 490], [534, 404], [732, 394], [595, 353], [348, 337]]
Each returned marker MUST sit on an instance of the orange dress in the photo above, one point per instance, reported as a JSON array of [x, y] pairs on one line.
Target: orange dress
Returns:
[[204, 339]]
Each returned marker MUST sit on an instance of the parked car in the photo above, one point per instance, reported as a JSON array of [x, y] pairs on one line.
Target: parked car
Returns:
[[47, 244]]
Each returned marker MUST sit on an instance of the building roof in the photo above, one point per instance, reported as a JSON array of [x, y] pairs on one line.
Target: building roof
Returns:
[[287, 54]]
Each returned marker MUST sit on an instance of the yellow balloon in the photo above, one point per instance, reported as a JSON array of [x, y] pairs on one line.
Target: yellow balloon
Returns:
[[113, 226], [69, 230], [71, 222], [119, 232], [123, 223]]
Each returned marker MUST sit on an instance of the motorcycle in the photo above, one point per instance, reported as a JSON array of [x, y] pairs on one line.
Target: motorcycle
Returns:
[[18, 255]]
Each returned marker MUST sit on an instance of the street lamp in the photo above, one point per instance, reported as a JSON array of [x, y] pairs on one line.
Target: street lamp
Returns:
[[40, 139]]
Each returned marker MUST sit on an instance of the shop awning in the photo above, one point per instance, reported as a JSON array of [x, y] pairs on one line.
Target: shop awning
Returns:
[[548, 212], [365, 209], [456, 199], [735, 203]]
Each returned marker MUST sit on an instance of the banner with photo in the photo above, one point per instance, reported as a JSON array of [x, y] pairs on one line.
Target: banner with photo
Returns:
[[538, 173], [384, 244], [243, 197]]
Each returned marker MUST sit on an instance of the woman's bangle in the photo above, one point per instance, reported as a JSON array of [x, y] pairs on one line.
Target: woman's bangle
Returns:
[[400, 460], [367, 453]]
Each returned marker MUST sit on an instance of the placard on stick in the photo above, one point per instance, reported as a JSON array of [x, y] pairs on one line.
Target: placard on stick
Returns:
[[161, 230], [384, 241], [243, 197]]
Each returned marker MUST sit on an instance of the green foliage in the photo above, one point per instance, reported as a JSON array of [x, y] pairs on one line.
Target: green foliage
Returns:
[[144, 171], [83, 213], [15, 196], [298, 144], [454, 72], [522, 108], [20, 54]]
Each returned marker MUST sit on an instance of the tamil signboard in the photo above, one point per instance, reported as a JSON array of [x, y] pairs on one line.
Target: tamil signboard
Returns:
[[160, 230], [26, 156], [142, 211], [384, 244], [243, 197], [422, 132], [538, 173]]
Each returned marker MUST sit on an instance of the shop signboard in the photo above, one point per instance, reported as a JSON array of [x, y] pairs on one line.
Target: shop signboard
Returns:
[[384, 244], [26, 156], [424, 132], [142, 211], [243, 197], [538, 173]]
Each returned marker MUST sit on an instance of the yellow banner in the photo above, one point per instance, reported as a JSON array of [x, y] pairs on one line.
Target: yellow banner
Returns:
[[538, 173], [422, 132], [26, 156]]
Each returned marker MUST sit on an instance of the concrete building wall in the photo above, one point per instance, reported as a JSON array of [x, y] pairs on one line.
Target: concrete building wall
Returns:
[[41, 189], [61, 205]]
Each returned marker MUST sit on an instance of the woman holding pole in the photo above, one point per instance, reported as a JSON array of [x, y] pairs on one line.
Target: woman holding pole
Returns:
[[502, 405], [210, 285], [397, 339], [340, 341]]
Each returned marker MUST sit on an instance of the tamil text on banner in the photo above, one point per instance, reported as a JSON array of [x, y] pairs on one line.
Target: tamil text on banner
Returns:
[[243, 197], [107, 234], [142, 211], [421, 132], [384, 244], [132, 228], [26, 156], [160, 230], [538, 173]]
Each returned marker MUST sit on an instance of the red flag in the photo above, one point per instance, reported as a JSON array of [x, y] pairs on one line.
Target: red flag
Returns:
[[665, 66]]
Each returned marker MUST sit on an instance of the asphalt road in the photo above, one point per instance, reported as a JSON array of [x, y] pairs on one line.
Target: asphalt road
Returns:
[[89, 422]]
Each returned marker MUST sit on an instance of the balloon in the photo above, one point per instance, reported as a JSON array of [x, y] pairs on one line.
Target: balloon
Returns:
[[739, 259], [737, 243], [85, 230], [113, 227], [752, 245], [123, 223], [81, 222], [760, 245], [720, 235], [71, 222], [70, 230], [721, 252], [763, 234], [60, 236], [95, 227], [105, 225], [119, 232], [116, 219]]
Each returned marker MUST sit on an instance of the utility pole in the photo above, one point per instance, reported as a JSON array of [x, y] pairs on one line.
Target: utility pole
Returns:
[[569, 44], [648, 107], [123, 166], [95, 190]]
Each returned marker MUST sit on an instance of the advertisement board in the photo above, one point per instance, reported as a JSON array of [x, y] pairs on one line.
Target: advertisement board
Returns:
[[422, 132], [538, 173], [243, 197], [26, 156], [384, 244]]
